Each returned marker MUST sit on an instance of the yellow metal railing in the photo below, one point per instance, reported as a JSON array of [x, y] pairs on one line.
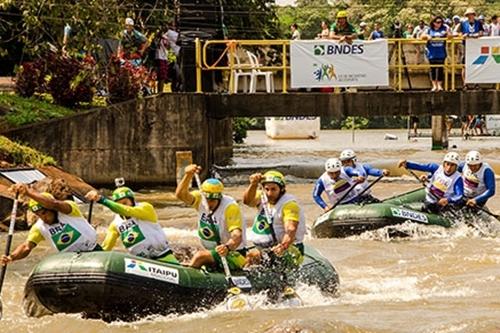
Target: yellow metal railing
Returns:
[[397, 53]]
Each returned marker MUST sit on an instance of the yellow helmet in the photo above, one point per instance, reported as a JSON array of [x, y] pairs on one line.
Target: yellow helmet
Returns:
[[273, 176], [342, 14], [35, 206], [212, 188], [123, 192]]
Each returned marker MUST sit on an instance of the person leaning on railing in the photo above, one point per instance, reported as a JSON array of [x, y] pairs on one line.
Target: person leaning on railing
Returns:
[[436, 50], [342, 30], [469, 28]]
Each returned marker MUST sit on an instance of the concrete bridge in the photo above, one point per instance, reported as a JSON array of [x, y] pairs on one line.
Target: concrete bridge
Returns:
[[139, 139]]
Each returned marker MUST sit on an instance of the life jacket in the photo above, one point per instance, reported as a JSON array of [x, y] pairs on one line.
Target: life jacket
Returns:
[[212, 229], [335, 189], [69, 233], [142, 238], [441, 185], [267, 234], [474, 184]]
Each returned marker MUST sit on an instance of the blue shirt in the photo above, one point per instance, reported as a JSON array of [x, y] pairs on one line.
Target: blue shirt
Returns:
[[371, 171], [436, 49], [489, 182], [377, 34], [458, 188]]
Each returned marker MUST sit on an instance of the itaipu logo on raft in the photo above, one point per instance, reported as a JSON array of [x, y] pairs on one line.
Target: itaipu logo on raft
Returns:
[[485, 55], [151, 271]]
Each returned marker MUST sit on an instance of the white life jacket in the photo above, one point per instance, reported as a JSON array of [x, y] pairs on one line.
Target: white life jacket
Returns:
[[474, 184], [441, 185], [142, 238], [214, 230], [262, 234], [69, 234], [335, 189]]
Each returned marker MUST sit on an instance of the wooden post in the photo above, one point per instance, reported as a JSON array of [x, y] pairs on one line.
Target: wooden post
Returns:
[[182, 160], [439, 133]]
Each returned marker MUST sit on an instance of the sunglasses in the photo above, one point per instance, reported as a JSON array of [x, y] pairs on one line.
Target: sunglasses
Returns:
[[439, 22]]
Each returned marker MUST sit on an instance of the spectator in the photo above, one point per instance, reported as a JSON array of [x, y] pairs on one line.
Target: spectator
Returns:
[[409, 31], [174, 72], [162, 59], [456, 25], [419, 29], [132, 43], [376, 33], [342, 30], [447, 23], [486, 27], [469, 28], [436, 50], [495, 26], [362, 31], [414, 124], [396, 30], [295, 31], [464, 128], [325, 31]]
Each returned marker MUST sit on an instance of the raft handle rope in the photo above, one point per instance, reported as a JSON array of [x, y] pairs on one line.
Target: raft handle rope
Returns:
[[12, 224]]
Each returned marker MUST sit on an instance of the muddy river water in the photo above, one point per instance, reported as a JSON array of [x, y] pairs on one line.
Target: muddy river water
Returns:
[[436, 280]]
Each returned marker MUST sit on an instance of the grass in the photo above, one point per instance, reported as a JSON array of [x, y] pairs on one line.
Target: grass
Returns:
[[23, 111], [18, 154]]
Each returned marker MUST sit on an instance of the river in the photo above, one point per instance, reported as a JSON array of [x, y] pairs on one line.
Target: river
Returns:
[[437, 280]]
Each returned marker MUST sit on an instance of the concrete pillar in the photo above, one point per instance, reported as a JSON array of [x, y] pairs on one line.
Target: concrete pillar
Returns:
[[439, 133]]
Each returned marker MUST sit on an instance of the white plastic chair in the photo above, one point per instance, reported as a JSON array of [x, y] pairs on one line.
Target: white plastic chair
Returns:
[[256, 72], [239, 72]]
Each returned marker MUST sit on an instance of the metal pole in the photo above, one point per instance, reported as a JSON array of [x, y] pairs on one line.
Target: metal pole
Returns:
[[284, 69], [198, 65]]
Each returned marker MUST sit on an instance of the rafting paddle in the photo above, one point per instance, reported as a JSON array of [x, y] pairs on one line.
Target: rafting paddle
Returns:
[[342, 198], [370, 186], [290, 294], [235, 300], [7, 248]]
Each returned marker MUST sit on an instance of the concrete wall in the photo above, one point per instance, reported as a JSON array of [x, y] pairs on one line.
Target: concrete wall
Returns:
[[135, 140]]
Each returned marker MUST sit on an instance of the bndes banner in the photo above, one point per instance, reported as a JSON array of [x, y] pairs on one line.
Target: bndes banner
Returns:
[[327, 63], [482, 60]]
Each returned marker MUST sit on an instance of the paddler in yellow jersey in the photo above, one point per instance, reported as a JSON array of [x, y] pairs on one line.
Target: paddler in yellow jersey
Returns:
[[221, 227], [59, 222], [136, 224], [284, 234]]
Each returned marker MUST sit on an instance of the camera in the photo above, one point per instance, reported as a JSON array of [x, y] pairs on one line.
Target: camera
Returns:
[[119, 181]]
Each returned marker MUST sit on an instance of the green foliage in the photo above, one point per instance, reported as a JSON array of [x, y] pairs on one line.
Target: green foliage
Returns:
[[240, 127], [251, 19], [18, 154], [23, 111], [308, 14], [355, 123]]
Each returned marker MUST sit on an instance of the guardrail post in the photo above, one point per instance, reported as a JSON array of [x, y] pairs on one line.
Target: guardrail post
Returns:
[[400, 66], [198, 65], [284, 89], [453, 62]]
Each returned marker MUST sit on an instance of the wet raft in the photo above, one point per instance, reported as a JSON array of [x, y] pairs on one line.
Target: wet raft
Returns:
[[348, 220], [115, 285]]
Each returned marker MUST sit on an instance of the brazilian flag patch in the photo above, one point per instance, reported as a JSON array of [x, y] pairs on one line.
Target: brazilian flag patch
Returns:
[[66, 237], [132, 236], [261, 226]]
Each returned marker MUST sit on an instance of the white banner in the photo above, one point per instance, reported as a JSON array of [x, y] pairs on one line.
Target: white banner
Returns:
[[327, 63], [482, 60]]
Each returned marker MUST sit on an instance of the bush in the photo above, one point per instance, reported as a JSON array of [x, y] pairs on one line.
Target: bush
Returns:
[[240, 127], [124, 80], [71, 80], [30, 78]]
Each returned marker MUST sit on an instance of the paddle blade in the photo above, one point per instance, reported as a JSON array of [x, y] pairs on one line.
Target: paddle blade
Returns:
[[1, 309], [290, 298], [236, 301]]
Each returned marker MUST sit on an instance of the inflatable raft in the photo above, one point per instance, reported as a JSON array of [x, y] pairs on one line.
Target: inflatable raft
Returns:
[[348, 220], [118, 286]]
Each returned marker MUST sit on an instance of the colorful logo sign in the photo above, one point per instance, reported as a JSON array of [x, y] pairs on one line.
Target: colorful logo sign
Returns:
[[151, 271], [324, 72], [486, 52]]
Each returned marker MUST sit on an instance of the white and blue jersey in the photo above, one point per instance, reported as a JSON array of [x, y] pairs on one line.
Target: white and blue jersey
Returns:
[[479, 185], [362, 170], [440, 184], [335, 189]]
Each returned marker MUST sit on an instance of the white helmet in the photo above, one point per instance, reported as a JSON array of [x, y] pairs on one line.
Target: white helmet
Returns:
[[347, 154], [129, 21], [452, 157], [333, 165], [473, 158]]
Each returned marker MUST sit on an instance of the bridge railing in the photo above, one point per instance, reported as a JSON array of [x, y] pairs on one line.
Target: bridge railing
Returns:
[[399, 66]]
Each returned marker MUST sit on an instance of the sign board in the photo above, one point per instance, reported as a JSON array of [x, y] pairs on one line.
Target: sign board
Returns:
[[482, 60]]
